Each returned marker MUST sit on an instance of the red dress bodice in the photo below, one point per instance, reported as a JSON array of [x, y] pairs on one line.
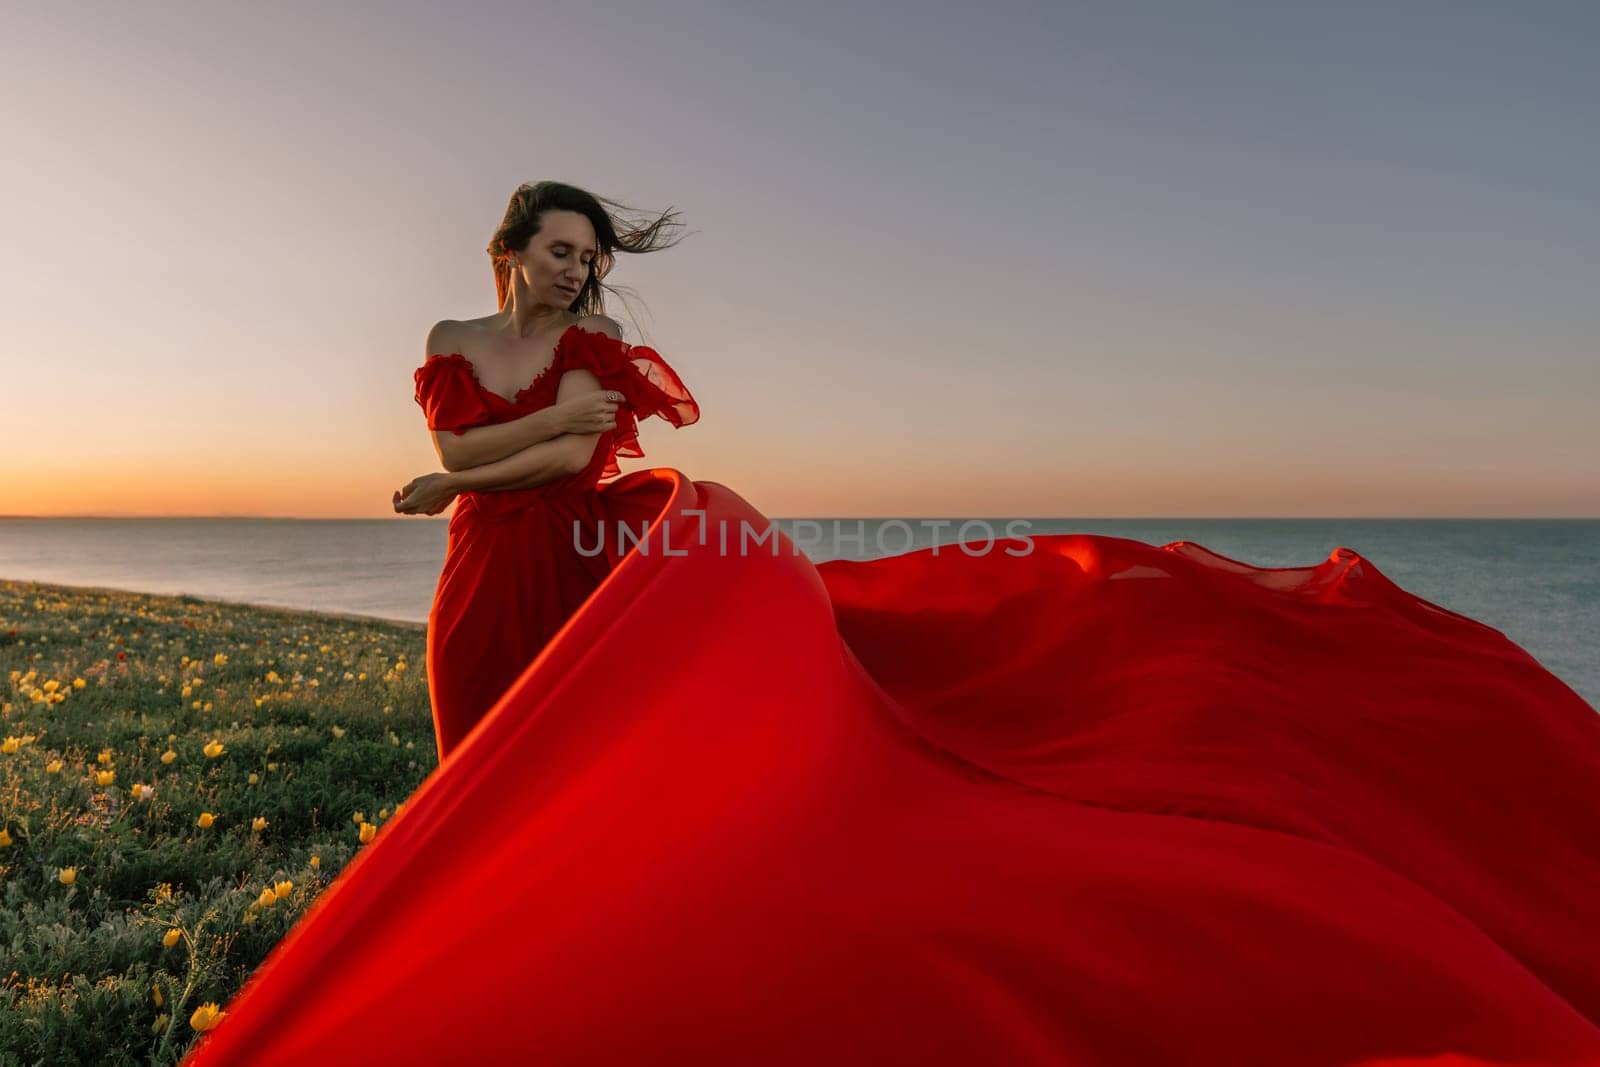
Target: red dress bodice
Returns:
[[453, 398]]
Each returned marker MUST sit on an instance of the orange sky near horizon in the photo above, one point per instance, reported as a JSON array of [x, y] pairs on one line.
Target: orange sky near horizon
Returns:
[[1089, 485]]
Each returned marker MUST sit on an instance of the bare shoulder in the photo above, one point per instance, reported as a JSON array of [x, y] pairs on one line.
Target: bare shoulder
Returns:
[[446, 330], [443, 337], [601, 324]]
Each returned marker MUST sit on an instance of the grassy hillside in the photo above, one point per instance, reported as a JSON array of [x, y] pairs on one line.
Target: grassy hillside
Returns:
[[179, 778]]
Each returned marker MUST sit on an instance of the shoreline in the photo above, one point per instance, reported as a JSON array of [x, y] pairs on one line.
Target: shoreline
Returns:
[[277, 609]]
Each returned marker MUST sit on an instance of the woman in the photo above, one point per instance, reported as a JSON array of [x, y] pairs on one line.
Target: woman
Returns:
[[524, 409], [1074, 800]]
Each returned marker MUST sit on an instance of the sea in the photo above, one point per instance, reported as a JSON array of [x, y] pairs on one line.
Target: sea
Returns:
[[1535, 580]]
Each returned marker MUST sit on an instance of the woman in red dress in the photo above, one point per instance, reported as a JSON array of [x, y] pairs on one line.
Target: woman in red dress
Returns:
[[529, 408], [1070, 799]]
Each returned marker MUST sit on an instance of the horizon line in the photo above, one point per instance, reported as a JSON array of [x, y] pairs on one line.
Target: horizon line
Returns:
[[816, 518]]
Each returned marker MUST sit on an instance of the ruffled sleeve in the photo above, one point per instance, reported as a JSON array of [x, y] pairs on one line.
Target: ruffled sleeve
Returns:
[[448, 395], [637, 372]]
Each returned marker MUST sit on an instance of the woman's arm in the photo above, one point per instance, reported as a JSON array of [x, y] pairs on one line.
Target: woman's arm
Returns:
[[563, 455], [545, 462], [536, 464], [485, 444]]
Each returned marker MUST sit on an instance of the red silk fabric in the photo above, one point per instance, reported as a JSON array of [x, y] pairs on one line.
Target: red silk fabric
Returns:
[[516, 565], [1102, 803]]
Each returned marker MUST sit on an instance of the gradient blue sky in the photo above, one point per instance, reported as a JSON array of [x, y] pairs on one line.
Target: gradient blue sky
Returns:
[[1049, 259]]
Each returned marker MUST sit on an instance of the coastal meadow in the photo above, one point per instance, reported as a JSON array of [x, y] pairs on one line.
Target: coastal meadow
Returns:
[[179, 779]]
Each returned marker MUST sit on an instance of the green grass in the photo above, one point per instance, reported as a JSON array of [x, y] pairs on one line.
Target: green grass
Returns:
[[95, 680]]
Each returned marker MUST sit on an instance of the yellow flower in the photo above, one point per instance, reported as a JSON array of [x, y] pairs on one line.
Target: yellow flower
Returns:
[[283, 888], [213, 748], [105, 755], [205, 820], [272, 767], [141, 791], [51, 686], [220, 659], [78, 683], [206, 1016], [168, 756], [155, 994], [361, 677], [316, 863], [186, 692], [53, 767], [383, 813], [400, 666], [104, 777], [170, 938], [254, 778], [359, 817], [368, 831], [10, 744], [267, 898], [338, 731], [67, 875], [258, 823], [5, 837]]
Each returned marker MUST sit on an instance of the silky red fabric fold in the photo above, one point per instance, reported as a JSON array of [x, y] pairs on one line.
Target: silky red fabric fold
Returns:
[[1102, 803]]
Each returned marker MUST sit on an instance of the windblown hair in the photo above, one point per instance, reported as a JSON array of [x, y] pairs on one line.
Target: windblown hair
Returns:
[[612, 234]]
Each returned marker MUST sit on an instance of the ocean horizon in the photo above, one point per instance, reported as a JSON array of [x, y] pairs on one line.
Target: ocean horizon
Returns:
[[1535, 580]]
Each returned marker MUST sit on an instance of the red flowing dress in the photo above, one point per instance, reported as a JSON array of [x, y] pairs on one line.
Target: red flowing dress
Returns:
[[519, 562], [1098, 802]]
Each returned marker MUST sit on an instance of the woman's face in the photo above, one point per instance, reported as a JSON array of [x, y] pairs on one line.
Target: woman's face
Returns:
[[557, 260]]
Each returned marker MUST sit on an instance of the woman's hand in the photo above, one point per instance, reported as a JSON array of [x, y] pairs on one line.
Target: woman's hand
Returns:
[[427, 495], [589, 413]]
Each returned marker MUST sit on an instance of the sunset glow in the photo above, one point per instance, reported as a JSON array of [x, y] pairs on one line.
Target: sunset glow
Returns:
[[1105, 265]]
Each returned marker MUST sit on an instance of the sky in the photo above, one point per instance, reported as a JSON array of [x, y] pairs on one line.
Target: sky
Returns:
[[1053, 259]]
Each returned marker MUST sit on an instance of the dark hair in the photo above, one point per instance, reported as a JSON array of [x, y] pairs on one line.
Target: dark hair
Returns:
[[611, 233]]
